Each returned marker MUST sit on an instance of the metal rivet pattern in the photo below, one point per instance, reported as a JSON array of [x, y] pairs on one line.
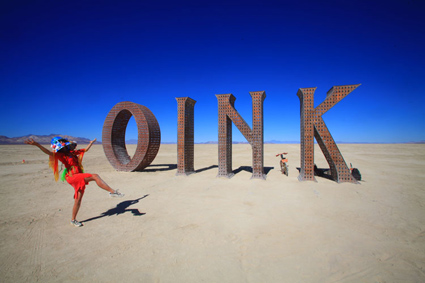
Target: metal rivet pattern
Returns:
[[228, 114], [113, 136], [313, 126], [185, 135]]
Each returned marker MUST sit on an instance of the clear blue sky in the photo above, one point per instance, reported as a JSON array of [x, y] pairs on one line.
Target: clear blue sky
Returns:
[[65, 64]]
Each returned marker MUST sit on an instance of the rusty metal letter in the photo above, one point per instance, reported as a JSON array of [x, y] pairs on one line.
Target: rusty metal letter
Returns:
[[228, 114], [113, 137], [313, 126], [185, 135]]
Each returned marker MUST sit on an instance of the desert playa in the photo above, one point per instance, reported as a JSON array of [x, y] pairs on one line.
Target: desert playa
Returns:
[[200, 228]]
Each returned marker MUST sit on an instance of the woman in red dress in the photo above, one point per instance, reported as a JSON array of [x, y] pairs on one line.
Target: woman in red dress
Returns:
[[65, 152]]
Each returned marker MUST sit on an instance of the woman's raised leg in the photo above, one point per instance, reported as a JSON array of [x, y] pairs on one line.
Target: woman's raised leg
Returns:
[[99, 182], [103, 185]]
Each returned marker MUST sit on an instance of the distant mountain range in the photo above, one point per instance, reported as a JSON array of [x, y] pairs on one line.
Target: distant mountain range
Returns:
[[245, 142], [134, 141], [42, 139], [45, 139]]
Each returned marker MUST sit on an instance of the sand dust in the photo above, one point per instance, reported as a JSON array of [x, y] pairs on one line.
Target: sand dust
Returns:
[[205, 229]]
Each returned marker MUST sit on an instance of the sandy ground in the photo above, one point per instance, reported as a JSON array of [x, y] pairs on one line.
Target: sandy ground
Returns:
[[200, 228]]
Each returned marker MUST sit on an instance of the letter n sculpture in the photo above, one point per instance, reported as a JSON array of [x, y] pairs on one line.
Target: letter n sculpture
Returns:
[[313, 126], [113, 136], [228, 114], [185, 135]]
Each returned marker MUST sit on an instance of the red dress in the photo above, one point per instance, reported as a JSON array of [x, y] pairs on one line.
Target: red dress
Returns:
[[74, 173]]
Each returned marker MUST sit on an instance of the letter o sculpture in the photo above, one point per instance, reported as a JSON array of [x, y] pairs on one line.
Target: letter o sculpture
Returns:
[[113, 137]]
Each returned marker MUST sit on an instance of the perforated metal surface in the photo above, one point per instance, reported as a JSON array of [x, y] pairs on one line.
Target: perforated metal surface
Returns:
[[113, 136], [185, 135], [228, 114], [313, 126]]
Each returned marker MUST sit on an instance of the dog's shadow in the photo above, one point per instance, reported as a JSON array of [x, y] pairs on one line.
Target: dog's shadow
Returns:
[[121, 208]]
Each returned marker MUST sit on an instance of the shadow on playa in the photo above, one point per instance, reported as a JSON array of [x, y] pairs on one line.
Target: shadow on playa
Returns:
[[121, 208], [249, 169]]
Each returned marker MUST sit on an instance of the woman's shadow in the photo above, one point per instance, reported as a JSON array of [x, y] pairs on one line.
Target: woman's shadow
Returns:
[[121, 208]]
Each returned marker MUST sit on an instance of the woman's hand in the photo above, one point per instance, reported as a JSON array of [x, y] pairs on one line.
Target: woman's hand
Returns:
[[31, 142], [90, 144], [43, 149]]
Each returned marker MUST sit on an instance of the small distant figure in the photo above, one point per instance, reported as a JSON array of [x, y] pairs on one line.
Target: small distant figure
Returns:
[[65, 151], [23, 161], [283, 163], [356, 173]]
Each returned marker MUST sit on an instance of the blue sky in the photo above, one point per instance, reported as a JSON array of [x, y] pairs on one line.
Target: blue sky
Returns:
[[65, 64]]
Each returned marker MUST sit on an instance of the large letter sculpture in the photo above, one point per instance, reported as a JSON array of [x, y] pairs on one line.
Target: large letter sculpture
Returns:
[[185, 136], [113, 136], [228, 114], [313, 126]]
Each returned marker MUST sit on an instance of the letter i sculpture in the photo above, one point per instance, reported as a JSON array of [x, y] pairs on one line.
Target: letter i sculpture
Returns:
[[185, 135]]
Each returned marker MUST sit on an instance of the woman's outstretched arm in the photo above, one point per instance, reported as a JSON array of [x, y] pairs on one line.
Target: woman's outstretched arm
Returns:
[[90, 144], [43, 149]]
